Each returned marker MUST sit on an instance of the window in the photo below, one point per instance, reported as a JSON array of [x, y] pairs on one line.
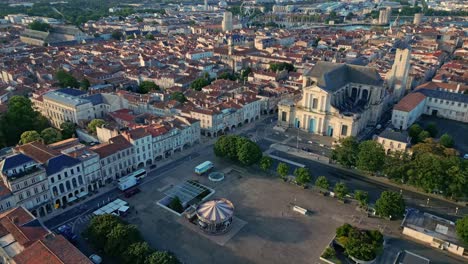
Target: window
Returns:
[[25, 183], [67, 184], [66, 174], [55, 191], [283, 116], [74, 183], [43, 187], [28, 193], [45, 196], [52, 179], [314, 103], [36, 190], [8, 204], [20, 196], [80, 180], [78, 169], [344, 130], [72, 171], [62, 189], [38, 199]]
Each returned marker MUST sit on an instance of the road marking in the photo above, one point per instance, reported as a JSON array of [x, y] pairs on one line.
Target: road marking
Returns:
[[287, 161]]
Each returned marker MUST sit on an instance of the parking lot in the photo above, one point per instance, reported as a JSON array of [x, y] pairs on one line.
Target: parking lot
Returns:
[[454, 128]]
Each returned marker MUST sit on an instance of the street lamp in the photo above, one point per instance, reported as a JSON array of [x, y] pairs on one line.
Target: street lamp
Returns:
[[428, 199], [456, 210]]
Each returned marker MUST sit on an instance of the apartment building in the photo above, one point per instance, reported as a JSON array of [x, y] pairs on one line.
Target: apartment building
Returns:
[[26, 185], [25, 240], [117, 158], [72, 105]]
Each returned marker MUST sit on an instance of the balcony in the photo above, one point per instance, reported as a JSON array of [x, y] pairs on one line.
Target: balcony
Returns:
[[36, 170]]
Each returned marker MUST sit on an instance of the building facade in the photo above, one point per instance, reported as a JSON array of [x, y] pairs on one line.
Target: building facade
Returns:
[[338, 100]]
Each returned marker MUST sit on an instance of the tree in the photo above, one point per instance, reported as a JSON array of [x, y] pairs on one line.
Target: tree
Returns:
[[281, 66], [322, 183], [99, 227], [414, 132], [446, 140], [95, 123], [137, 253], [390, 204], [179, 97], [68, 129], [199, 83], [147, 86], [85, 84], [364, 244], [29, 136], [346, 153], [117, 35], [51, 135], [39, 25], [340, 190], [249, 153], [149, 36], [396, 165], [423, 136], [282, 170], [371, 156], [19, 117], [266, 163], [162, 257], [65, 79], [120, 238], [176, 205], [227, 76], [462, 228], [362, 197], [302, 176], [432, 129]]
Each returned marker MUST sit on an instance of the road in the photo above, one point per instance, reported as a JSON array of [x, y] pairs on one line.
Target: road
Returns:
[[357, 182], [101, 199]]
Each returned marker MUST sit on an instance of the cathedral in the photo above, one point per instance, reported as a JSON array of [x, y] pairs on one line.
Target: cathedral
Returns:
[[338, 100]]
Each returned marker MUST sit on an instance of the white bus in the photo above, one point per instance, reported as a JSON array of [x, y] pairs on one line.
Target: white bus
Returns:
[[139, 174]]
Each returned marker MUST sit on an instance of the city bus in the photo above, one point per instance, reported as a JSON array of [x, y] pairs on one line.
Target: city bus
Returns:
[[139, 174]]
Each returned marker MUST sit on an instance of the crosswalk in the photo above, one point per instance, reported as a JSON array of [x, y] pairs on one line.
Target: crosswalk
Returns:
[[83, 219]]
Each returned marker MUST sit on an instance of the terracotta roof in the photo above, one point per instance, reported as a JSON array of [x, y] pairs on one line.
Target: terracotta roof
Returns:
[[115, 145], [38, 151], [449, 86], [409, 102]]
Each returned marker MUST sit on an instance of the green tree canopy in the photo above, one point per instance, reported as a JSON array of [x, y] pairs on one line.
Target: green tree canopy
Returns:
[[95, 123], [423, 136], [51, 135], [282, 170], [446, 140], [19, 117], [362, 197], [137, 253], [227, 76], [340, 190], [390, 204], [85, 84], [29, 136], [432, 129], [39, 25], [281, 66], [266, 163], [149, 36], [249, 153], [371, 156], [322, 183], [120, 238], [65, 79], [179, 97], [176, 205], [162, 257], [462, 229], [414, 131], [302, 176], [346, 153], [364, 244], [68, 129], [99, 227], [199, 83], [117, 35], [148, 86]]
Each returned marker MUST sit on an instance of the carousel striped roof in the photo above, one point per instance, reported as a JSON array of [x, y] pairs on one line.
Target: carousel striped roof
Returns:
[[216, 211]]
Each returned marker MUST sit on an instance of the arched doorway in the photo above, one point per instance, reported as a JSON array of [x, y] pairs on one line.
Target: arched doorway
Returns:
[[149, 162], [364, 95], [141, 165], [41, 212], [64, 201], [246, 121]]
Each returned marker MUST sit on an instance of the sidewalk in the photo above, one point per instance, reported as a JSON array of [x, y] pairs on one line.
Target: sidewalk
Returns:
[[298, 153]]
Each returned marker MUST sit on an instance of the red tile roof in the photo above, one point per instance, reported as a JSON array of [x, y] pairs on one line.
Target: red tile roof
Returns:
[[409, 102]]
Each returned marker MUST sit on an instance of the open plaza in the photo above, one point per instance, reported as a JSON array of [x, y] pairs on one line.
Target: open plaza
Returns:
[[264, 229]]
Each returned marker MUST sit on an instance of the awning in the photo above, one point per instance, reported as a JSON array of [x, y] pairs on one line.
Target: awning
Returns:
[[82, 194], [124, 209], [71, 199]]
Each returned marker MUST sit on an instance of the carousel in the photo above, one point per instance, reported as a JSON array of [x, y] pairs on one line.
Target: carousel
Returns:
[[215, 216]]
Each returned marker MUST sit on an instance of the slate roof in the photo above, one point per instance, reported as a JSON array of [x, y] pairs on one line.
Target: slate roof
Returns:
[[332, 76], [15, 161], [60, 162], [95, 99], [71, 91], [395, 135], [456, 97]]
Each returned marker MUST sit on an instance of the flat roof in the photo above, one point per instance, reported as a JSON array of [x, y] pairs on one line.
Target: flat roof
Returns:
[[408, 257]]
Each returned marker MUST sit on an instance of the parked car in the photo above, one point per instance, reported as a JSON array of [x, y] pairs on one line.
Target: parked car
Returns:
[[465, 156], [96, 259], [66, 231], [130, 192]]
